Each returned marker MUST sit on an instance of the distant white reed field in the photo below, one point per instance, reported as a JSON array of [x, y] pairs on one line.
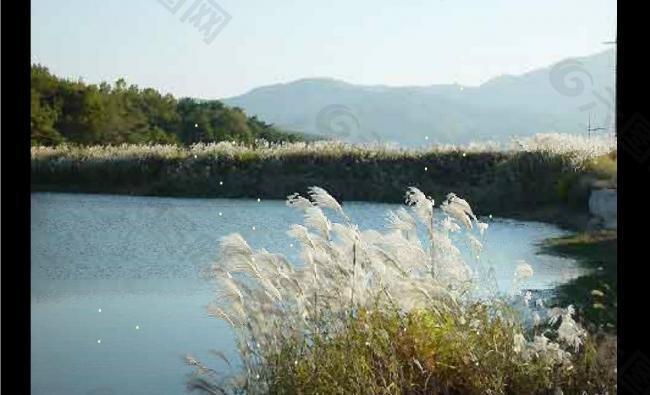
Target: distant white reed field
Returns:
[[269, 300], [578, 147]]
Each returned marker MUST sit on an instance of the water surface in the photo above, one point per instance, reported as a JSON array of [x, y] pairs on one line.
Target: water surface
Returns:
[[140, 261]]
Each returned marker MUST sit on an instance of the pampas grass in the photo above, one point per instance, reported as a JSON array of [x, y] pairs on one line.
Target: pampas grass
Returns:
[[537, 179], [384, 311], [578, 148]]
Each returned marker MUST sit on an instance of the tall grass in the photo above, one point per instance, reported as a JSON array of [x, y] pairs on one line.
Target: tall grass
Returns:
[[577, 148], [519, 179], [394, 311]]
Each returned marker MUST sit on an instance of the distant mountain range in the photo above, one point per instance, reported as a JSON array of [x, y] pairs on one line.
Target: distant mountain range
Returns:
[[564, 97]]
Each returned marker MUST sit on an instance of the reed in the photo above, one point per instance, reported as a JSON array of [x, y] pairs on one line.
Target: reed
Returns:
[[524, 179], [393, 311]]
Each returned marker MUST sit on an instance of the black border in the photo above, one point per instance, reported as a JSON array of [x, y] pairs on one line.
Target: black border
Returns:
[[633, 125], [15, 197], [633, 113]]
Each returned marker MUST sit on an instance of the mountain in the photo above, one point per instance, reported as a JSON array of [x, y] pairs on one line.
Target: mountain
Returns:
[[561, 97]]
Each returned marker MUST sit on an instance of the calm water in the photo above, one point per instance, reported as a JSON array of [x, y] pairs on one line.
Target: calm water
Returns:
[[140, 260]]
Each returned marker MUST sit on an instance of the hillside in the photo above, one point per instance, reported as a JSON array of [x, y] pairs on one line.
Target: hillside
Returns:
[[558, 98]]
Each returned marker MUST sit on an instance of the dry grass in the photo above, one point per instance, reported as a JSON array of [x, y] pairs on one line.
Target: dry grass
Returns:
[[578, 148], [393, 312]]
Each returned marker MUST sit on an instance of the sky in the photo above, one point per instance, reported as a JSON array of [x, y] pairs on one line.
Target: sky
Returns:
[[387, 42]]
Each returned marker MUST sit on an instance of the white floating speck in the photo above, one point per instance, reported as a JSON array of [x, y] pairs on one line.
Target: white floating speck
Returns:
[[196, 125], [137, 327], [259, 200], [490, 216], [99, 341], [253, 228], [426, 168], [426, 137], [195, 156], [220, 213], [99, 310], [464, 154], [220, 182], [291, 245]]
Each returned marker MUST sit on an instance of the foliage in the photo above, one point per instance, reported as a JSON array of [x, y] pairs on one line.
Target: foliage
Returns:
[[604, 167], [79, 113], [396, 311], [594, 294], [507, 181]]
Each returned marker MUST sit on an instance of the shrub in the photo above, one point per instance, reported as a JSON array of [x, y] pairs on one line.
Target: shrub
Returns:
[[604, 167]]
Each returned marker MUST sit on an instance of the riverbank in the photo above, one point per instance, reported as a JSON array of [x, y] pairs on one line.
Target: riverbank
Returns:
[[595, 294], [531, 183]]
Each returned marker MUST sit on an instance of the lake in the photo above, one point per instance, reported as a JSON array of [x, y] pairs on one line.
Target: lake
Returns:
[[118, 291]]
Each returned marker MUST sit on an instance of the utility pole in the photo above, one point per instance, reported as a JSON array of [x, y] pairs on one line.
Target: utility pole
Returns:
[[590, 129], [615, 90]]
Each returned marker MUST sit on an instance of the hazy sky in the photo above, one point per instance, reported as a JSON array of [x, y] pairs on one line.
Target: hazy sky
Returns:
[[407, 42]]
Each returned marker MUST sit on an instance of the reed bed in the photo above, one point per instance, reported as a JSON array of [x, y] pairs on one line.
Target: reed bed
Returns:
[[579, 149], [534, 178]]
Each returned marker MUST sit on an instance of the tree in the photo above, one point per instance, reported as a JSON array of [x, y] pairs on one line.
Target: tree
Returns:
[[42, 119], [76, 112]]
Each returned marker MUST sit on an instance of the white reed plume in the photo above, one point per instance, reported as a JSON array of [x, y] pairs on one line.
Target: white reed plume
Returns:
[[316, 219], [301, 234], [554, 314], [218, 312], [401, 220], [482, 227], [519, 343], [423, 206], [570, 331], [523, 271], [459, 209], [297, 201], [475, 244], [324, 200]]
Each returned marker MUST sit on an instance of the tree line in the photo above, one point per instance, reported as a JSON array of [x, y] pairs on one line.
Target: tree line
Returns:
[[66, 111]]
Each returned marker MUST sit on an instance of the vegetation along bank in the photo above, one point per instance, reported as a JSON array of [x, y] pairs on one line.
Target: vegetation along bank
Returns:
[[536, 184]]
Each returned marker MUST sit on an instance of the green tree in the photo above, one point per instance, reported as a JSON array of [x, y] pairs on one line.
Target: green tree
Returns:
[[42, 119], [76, 112]]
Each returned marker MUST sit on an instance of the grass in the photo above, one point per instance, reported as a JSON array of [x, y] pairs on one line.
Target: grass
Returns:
[[425, 352], [545, 178], [596, 251], [394, 311], [604, 167]]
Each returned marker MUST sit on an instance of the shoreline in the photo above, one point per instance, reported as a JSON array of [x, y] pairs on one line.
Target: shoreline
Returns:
[[563, 217], [523, 185], [596, 251]]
